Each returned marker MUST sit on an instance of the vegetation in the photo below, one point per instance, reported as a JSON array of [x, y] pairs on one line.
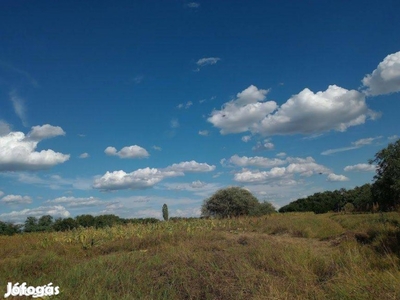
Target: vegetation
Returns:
[[165, 212], [279, 256], [234, 202], [319, 203], [386, 188]]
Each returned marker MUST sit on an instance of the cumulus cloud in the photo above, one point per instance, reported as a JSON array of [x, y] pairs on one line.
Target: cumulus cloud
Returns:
[[5, 128], [301, 166], [134, 151], [266, 145], [256, 161], [84, 155], [191, 166], [309, 113], [304, 113], [19, 106], [281, 154], [139, 179], [46, 131], [207, 61], [16, 199], [203, 132], [17, 152], [393, 137], [76, 202], [333, 177], [147, 177], [360, 168], [240, 114], [385, 79], [157, 148], [20, 216]]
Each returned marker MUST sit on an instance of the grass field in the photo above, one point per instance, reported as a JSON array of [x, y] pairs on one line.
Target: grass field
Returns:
[[280, 256]]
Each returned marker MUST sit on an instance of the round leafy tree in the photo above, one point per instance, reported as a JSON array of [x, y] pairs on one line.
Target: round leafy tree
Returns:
[[229, 202]]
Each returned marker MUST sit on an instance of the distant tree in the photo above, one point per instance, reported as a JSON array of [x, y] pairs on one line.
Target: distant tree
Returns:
[[31, 224], [165, 212], [229, 202], [9, 228], [86, 220], [264, 208], [386, 188], [65, 224], [45, 223], [107, 221]]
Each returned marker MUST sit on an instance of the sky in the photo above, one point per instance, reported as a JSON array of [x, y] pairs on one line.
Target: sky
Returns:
[[119, 107]]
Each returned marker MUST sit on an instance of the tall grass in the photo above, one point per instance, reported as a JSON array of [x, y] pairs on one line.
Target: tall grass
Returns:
[[289, 256]]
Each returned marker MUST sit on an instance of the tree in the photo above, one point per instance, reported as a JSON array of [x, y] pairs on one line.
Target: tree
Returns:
[[264, 208], [7, 228], [65, 224], [31, 224], [386, 188], [86, 220], [165, 212], [45, 223], [229, 202]]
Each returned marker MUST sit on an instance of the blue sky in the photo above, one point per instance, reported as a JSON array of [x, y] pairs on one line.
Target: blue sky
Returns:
[[121, 107]]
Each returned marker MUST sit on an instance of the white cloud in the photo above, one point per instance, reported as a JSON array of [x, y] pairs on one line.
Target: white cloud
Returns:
[[19, 106], [333, 177], [54, 182], [174, 123], [5, 128], [357, 144], [193, 5], [76, 202], [244, 112], [301, 166], [17, 153], [46, 131], [147, 177], [360, 168], [385, 79], [256, 161], [281, 154], [266, 145], [207, 61], [16, 199], [203, 132], [134, 151], [191, 166], [393, 137], [20, 216], [309, 113], [84, 155], [186, 106], [157, 148], [139, 179], [198, 184], [246, 138]]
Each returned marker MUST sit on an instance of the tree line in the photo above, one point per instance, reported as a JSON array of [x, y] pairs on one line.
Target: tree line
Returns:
[[48, 223], [382, 195]]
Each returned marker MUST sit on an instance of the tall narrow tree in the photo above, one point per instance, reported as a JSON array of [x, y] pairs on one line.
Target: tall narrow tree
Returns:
[[165, 212]]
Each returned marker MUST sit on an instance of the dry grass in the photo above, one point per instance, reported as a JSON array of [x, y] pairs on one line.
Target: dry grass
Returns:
[[290, 256]]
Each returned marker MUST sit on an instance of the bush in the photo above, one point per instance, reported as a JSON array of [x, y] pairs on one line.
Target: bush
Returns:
[[264, 208]]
